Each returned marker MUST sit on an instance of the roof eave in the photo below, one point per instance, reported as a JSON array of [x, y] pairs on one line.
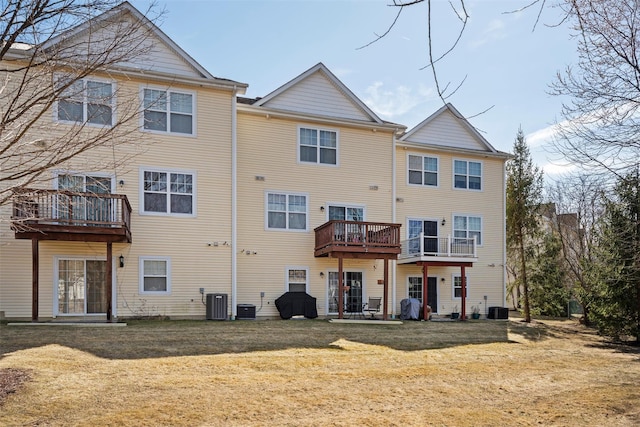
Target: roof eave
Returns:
[[420, 145], [292, 115]]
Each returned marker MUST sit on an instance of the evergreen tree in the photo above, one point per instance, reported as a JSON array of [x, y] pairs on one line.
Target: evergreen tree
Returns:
[[616, 300], [548, 294], [524, 194]]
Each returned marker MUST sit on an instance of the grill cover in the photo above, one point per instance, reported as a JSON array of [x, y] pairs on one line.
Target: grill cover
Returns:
[[292, 304]]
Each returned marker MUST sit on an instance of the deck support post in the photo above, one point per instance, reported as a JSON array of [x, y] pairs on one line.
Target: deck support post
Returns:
[[35, 277], [425, 291], [463, 294], [340, 290], [386, 290], [109, 280]]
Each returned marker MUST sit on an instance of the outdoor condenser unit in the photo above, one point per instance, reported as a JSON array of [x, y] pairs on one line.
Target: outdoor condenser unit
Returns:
[[246, 311], [216, 306]]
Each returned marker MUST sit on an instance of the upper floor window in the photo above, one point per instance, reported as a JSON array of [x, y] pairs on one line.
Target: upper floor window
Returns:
[[87, 101], [286, 211], [348, 213], [168, 111], [423, 170], [167, 192], [318, 146], [468, 226], [467, 174]]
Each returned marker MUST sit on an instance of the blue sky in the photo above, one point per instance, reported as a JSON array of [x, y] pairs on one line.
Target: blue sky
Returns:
[[505, 63]]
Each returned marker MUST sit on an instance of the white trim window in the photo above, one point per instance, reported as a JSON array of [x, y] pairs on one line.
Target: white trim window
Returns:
[[297, 279], [87, 100], [155, 275], [286, 211], [423, 170], [456, 281], [467, 226], [414, 288], [168, 111], [166, 192], [318, 146], [345, 212], [467, 175]]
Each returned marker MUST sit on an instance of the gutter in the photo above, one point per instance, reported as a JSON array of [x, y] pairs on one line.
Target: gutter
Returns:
[[274, 113], [469, 152]]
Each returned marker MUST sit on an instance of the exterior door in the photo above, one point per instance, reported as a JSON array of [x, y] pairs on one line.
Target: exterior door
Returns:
[[81, 287], [430, 230], [352, 298], [347, 232], [415, 291], [432, 293], [92, 209]]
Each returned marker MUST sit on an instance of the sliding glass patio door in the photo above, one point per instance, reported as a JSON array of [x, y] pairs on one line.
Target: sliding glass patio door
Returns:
[[352, 298], [81, 287]]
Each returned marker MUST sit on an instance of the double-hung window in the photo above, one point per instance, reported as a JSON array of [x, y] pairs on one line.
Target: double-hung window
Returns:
[[168, 111], [468, 227], [286, 211], [423, 170], [297, 279], [87, 101], [155, 275], [457, 286], [467, 174], [318, 146], [168, 192]]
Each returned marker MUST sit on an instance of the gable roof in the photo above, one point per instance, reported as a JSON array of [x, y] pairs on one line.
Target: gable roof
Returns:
[[164, 55], [318, 91], [448, 128]]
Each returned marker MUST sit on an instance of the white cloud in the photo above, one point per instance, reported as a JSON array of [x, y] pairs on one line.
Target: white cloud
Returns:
[[395, 102], [494, 31], [543, 136], [554, 169]]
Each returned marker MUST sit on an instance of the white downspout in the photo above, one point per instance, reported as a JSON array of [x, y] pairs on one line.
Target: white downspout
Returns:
[[504, 235], [234, 204], [394, 263]]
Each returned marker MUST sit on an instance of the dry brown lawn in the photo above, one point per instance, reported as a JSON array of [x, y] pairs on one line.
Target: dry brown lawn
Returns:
[[316, 373]]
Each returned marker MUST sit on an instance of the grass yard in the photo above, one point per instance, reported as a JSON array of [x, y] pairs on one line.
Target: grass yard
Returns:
[[316, 373]]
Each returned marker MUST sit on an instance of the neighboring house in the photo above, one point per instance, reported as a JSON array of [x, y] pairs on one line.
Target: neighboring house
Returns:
[[303, 190]]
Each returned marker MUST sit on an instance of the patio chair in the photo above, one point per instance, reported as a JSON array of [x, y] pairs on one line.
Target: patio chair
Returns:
[[354, 307], [373, 306]]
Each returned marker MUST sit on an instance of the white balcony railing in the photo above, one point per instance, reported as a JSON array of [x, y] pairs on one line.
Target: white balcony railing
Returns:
[[427, 246]]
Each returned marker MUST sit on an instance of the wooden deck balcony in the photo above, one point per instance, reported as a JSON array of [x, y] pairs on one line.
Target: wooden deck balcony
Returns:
[[71, 216], [438, 249], [357, 239]]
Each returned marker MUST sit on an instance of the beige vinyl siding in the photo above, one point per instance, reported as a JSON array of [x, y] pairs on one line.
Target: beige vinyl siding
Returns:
[[446, 130], [153, 54], [15, 272], [318, 95], [194, 264], [446, 202], [268, 148]]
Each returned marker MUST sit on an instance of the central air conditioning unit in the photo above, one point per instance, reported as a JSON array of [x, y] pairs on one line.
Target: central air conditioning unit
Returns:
[[217, 307], [246, 312]]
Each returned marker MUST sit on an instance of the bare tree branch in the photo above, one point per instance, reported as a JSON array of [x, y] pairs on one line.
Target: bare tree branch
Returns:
[[49, 52]]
